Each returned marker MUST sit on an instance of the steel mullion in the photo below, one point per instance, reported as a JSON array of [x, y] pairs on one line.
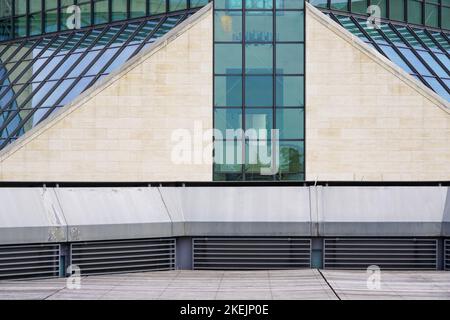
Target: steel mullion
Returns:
[[445, 36], [408, 45], [105, 67], [436, 42], [101, 25], [33, 61], [9, 119], [244, 79], [44, 65], [150, 35], [364, 32], [19, 61], [58, 82], [22, 44], [430, 52], [422, 59]]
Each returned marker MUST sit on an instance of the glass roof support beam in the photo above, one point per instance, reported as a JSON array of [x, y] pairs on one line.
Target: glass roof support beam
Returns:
[[11, 117], [37, 72], [419, 58], [100, 73]]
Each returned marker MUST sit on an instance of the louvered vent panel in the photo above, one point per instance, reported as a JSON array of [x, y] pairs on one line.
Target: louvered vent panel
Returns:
[[394, 253], [102, 257], [29, 261], [251, 253], [447, 254]]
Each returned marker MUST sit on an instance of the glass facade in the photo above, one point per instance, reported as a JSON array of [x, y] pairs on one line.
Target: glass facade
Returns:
[[42, 74], [422, 53], [259, 87], [430, 13], [22, 18]]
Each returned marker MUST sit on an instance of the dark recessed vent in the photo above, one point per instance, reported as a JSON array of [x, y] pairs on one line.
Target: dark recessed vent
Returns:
[[101, 257], [251, 253], [447, 254], [394, 253], [29, 261]]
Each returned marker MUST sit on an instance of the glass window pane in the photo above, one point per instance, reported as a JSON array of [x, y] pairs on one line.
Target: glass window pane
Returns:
[[51, 4], [445, 20], [137, 8], [260, 121], [228, 4], [438, 88], [228, 156], [258, 26], [290, 91], [85, 14], [319, 3], [290, 58], [394, 57], [382, 5], [35, 24], [35, 6], [290, 123], [119, 10], [20, 26], [198, 3], [20, 7], [259, 4], [259, 58], [228, 26], [259, 91], [292, 159], [289, 25], [339, 5], [359, 6], [228, 91], [433, 64], [397, 10], [157, 6], [289, 4], [228, 58], [415, 11], [101, 12], [409, 55], [431, 15], [175, 5], [227, 119]]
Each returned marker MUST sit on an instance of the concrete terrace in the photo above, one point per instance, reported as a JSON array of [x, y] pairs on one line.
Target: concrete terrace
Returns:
[[237, 285]]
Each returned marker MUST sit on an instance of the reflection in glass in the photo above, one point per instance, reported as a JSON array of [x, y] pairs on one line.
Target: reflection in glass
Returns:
[[228, 91], [258, 91], [228, 26], [289, 91], [290, 58], [259, 58], [289, 25], [259, 26]]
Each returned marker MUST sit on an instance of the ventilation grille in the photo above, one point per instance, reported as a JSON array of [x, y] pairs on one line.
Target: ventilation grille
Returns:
[[101, 257], [447, 254], [29, 261], [251, 253], [385, 253]]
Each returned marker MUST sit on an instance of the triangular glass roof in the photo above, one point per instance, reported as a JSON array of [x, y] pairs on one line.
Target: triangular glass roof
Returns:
[[422, 53], [41, 75]]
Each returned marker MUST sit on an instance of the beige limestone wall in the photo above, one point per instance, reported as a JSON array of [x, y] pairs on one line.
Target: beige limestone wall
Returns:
[[365, 118], [121, 130]]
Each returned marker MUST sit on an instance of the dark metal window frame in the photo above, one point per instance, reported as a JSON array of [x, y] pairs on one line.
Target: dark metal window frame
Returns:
[[243, 174]]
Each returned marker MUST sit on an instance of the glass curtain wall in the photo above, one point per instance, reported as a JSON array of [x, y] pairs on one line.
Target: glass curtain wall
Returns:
[[259, 86], [24, 18], [430, 13]]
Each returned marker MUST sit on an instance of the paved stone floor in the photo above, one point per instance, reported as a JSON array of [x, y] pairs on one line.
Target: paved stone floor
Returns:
[[224, 285]]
